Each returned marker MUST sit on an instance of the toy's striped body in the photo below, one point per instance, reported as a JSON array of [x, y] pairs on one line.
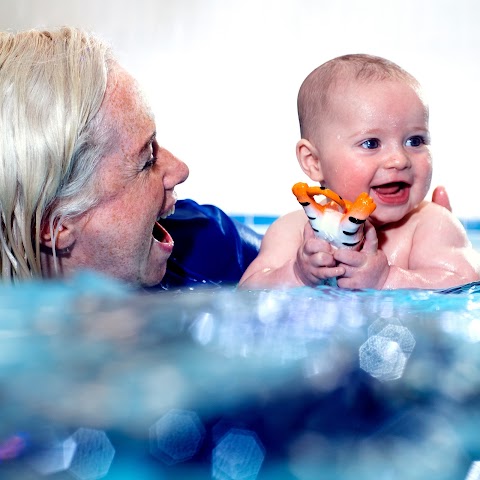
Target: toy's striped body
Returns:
[[339, 222]]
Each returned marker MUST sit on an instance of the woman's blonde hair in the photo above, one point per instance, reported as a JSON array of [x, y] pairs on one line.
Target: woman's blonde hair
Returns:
[[52, 84]]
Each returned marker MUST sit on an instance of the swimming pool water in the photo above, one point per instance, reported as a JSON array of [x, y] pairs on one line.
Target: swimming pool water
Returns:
[[97, 381]]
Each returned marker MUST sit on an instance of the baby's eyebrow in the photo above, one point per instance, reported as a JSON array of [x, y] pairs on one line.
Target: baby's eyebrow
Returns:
[[372, 133]]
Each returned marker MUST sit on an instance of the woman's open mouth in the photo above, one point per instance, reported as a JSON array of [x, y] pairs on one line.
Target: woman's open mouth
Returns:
[[394, 193], [161, 235]]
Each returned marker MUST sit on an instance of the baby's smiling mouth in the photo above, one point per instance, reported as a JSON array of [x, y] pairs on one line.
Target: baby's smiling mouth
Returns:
[[393, 193], [392, 188]]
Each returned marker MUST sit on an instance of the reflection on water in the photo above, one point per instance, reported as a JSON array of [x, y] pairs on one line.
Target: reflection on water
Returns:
[[97, 381]]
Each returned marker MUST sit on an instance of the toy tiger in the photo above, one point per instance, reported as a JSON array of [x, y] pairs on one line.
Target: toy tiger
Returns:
[[340, 221]]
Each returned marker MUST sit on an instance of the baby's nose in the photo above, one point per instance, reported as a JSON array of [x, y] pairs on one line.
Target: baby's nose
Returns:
[[397, 159]]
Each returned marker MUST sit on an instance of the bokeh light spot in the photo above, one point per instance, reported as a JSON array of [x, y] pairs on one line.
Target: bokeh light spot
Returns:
[[385, 354], [12, 447], [93, 454], [238, 455], [176, 437], [474, 471], [55, 457]]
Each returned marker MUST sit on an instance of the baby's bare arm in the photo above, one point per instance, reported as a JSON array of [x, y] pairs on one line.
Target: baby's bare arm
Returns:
[[290, 255], [441, 254], [274, 262]]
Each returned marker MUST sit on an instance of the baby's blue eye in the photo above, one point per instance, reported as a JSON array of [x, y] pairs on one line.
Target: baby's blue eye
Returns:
[[371, 143], [415, 141]]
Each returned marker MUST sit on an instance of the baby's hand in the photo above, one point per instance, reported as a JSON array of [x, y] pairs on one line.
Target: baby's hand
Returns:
[[315, 262], [367, 268]]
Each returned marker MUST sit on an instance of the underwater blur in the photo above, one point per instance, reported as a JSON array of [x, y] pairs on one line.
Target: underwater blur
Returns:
[[98, 381]]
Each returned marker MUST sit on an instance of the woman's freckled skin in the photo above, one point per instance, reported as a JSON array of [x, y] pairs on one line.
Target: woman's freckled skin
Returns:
[[115, 237]]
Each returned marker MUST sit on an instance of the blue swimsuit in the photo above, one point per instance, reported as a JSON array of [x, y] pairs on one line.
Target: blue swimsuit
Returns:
[[210, 247]]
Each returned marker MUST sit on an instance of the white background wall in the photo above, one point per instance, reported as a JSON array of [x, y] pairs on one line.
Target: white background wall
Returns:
[[223, 76]]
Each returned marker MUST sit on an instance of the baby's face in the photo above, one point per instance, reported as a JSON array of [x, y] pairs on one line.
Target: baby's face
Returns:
[[377, 141]]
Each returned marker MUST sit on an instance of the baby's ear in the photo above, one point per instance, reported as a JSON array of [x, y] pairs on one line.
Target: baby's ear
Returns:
[[309, 160], [65, 237]]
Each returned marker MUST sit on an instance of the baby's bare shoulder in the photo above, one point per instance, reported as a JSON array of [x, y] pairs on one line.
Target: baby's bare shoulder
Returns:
[[426, 222], [429, 212], [296, 218], [441, 225], [288, 227]]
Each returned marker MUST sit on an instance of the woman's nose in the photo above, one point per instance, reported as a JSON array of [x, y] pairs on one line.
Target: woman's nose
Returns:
[[177, 171], [182, 170]]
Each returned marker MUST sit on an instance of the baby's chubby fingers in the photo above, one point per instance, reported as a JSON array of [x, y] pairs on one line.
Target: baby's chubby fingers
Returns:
[[317, 253], [357, 258], [322, 259], [313, 244], [349, 257], [370, 244], [315, 262]]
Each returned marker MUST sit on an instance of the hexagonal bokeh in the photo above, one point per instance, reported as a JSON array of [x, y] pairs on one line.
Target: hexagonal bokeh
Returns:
[[93, 454], [238, 455], [385, 354], [176, 437]]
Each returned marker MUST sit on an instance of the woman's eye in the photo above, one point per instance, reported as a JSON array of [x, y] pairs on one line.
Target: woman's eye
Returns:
[[153, 157], [415, 141], [371, 143], [150, 163]]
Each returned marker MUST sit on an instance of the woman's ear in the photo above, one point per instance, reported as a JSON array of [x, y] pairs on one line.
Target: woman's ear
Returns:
[[309, 160], [65, 237]]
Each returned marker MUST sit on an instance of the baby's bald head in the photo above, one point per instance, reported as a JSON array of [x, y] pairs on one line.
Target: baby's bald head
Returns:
[[316, 90]]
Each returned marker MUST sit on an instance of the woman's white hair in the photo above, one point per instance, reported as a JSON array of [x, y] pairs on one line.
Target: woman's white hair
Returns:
[[52, 84]]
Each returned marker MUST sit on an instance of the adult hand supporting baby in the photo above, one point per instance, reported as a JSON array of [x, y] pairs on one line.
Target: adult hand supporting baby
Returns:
[[440, 197]]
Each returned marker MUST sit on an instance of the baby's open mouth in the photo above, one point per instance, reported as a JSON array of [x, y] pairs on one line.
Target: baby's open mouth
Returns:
[[391, 188], [393, 193]]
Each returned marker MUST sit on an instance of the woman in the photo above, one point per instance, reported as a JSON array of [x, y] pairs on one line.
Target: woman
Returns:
[[83, 179]]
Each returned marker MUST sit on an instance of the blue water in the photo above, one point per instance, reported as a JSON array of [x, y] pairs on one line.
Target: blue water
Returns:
[[97, 381]]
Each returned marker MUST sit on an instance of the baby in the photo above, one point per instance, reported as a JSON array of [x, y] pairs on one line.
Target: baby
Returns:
[[364, 128]]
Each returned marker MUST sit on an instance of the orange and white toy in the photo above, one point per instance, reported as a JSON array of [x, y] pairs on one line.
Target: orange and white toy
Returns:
[[339, 222]]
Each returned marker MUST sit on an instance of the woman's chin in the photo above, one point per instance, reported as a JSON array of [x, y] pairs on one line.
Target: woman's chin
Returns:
[[155, 275]]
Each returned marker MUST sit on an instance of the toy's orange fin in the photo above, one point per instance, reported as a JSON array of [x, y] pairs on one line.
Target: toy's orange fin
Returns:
[[343, 229], [362, 207], [306, 194]]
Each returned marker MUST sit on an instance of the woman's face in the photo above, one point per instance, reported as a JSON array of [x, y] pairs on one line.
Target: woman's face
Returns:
[[136, 182]]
